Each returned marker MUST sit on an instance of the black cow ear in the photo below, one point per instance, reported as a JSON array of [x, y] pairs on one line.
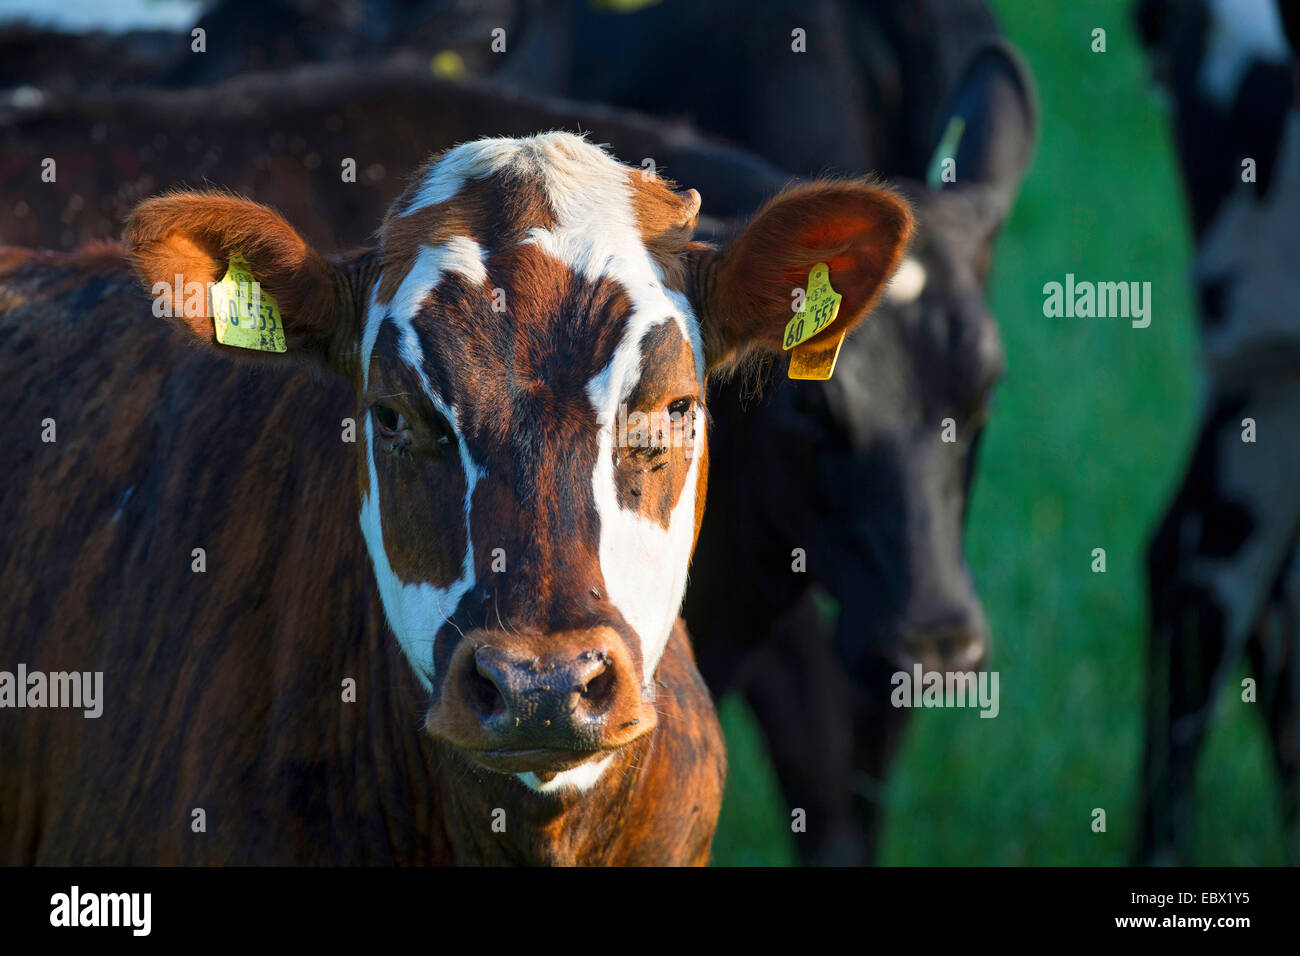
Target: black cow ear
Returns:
[[988, 128]]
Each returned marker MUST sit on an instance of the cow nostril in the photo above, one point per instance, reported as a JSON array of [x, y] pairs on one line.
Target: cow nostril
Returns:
[[483, 694], [596, 693], [948, 649]]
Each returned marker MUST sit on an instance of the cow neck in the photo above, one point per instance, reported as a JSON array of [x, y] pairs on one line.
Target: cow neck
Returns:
[[568, 827]]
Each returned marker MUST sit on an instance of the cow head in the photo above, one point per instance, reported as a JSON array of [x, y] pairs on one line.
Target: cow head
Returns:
[[898, 427], [529, 342]]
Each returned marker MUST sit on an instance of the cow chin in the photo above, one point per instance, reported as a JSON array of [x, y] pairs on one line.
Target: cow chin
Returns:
[[544, 762], [544, 707]]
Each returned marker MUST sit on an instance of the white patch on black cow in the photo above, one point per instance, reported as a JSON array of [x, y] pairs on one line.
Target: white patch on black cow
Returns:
[[1240, 32]]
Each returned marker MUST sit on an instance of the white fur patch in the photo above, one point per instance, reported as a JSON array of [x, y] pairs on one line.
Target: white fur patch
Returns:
[[458, 254], [582, 777], [416, 611], [475, 160], [907, 283], [643, 563]]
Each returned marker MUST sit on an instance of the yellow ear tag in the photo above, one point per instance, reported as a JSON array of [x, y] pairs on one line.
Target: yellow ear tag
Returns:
[[243, 313], [821, 304], [448, 63]]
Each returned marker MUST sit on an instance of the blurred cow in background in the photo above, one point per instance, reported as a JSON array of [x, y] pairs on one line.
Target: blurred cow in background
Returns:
[[253, 36], [285, 139], [1224, 568], [856, 473], [823, 86]]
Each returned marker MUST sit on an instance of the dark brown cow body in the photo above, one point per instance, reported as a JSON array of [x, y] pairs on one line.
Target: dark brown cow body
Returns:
[[282, 138]]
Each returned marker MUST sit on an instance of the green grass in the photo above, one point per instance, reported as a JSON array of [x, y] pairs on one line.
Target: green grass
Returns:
[[1086, 444]]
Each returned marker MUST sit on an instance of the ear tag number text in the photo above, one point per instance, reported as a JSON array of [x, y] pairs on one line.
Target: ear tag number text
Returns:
[[821, 305], [243, 313]]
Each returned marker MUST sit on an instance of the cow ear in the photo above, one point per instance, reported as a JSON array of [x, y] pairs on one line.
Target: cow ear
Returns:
[[745, 292], [182, 242], [988, 128]]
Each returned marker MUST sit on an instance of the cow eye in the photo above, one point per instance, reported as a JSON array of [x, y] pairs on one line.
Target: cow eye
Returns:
[[681, 406], [389, 420]]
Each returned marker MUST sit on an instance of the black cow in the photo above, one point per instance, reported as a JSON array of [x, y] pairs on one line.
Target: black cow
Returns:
[[856, 473], [862, 95], [1224, 564]]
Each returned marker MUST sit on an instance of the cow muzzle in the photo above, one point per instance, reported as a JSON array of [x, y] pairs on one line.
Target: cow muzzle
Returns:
[[959, 646], [543, 704]]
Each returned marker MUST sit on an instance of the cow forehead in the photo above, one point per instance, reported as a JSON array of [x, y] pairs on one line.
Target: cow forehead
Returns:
[[546, 240]]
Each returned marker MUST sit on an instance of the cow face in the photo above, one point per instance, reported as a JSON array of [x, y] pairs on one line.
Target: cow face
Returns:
[[905, 435], [529, 343], [897, 429]]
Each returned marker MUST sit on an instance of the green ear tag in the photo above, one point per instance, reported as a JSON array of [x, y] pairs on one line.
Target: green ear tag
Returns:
[[243, 314], [821, 304], [949, 143]]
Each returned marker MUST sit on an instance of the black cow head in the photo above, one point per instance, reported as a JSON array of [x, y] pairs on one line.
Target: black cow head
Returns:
[[891, 440]]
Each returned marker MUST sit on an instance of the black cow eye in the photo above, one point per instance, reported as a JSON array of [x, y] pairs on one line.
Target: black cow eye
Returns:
[[389, 420], [681, 406]]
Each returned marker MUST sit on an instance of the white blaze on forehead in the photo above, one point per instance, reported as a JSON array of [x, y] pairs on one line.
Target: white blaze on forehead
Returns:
[[907, 283], [597, 236], [458, 254], [468, 161], [1240, 32], [596, 233]]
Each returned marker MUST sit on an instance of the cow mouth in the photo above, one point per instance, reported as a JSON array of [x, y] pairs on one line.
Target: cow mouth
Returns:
[[532, 759]]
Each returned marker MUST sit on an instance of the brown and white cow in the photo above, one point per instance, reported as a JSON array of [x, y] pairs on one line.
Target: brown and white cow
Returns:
[[525, 297]]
